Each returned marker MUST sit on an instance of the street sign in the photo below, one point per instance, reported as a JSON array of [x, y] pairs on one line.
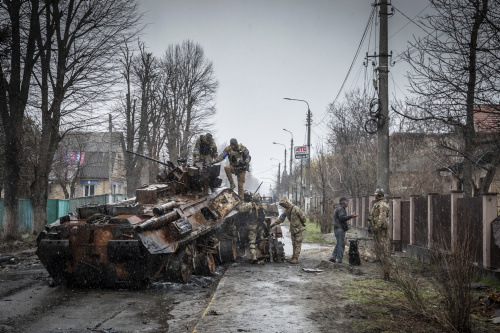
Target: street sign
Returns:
[[301, 152]]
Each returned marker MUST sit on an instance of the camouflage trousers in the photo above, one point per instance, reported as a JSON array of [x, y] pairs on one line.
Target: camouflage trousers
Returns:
[[296, 243], [382, 251], [255, 232], [230, 171]]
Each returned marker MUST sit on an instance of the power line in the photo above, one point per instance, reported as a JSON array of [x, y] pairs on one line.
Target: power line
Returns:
[[372, 14]]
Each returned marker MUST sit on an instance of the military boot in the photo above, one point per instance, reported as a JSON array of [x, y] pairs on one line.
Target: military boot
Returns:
[[254, 256], [294, 260], [296, 253]]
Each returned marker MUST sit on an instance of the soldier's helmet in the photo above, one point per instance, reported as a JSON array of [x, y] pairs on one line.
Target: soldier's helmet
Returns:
[[256, 197], [208, 136], [233, 142], [247, 196], [379, 192]]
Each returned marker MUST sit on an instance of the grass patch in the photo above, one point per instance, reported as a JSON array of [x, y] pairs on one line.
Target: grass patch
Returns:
[[312, 234], [372, 291]]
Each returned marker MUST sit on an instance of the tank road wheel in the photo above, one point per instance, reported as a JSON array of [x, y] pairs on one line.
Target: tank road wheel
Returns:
[[227, 250], [177, 268], [204, 264]]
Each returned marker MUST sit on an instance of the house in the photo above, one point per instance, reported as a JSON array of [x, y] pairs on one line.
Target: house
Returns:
[[415, 161], [82, 163]]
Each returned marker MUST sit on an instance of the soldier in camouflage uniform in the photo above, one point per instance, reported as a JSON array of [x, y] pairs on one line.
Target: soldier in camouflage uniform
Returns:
[[205, 149], [239, 161], [257, 211], [379, 225], [297, 220]]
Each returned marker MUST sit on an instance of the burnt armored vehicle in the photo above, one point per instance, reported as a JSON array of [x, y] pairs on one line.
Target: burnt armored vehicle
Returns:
[[169, 230]]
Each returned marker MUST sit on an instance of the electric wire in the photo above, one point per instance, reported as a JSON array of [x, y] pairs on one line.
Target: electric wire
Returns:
[[372, 14]]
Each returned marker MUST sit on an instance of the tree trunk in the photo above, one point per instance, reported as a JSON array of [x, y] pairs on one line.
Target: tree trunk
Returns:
[[11, 201]]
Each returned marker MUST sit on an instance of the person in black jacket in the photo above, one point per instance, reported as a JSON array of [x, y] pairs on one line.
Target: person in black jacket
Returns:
[[340, 227]]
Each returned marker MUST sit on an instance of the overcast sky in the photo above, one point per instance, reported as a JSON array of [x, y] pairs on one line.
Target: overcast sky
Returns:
[[265, 50]]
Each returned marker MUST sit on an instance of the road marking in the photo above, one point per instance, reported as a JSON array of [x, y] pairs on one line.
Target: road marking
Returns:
[[208, 306]]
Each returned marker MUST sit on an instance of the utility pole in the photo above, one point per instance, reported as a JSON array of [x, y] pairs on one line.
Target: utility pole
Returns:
[[308, 162], [290, 195], [383, 131], [110, 167]]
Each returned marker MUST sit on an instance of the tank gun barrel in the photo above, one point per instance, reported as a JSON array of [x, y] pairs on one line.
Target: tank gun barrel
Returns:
[[162, 209], [168, 163], [158, 222]]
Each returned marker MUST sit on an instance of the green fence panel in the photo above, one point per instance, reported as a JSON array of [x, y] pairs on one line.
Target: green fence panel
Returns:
[[56, 208], [62, 207], [52, 210], [25, 215]]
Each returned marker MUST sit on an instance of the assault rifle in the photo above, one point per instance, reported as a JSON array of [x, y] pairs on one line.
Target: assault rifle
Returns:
[[168, 163]]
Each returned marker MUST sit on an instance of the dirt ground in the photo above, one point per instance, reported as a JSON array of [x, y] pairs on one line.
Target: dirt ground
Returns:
[[241, 297]]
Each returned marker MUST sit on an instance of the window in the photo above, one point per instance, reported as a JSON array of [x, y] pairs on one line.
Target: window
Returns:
[[89, 190]]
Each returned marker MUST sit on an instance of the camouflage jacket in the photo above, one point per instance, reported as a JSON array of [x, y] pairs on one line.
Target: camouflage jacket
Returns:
[[256, 210], [204, 147], [294, 214], [379, 214], [235, 157]]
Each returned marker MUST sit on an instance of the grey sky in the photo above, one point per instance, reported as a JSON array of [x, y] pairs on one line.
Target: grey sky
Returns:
[[265, 50]]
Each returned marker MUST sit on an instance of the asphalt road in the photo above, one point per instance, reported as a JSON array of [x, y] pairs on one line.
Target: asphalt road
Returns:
[[243, 297]]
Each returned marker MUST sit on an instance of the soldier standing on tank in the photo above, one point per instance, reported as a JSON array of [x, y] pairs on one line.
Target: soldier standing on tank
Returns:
[[379, 225], [256, 222], [239, 161], [297, 220], [205, 149]]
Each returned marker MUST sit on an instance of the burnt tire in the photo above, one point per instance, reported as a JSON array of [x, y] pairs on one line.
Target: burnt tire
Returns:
[[204, 264], [178, 269], [227, 250]]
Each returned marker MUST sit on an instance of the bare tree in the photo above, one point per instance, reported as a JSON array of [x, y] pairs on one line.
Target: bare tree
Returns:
[[19, 55], [354, 150], [189, 89], [454, 70], [322, 175], [78, 45]]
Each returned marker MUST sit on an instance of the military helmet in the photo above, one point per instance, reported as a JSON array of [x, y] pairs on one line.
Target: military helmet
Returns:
[[233, 142], [256, 197], [208, 136], [247, 196], [379, 192]]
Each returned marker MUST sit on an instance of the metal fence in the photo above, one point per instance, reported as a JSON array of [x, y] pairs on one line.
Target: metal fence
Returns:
[[441, 233], [55, 208]]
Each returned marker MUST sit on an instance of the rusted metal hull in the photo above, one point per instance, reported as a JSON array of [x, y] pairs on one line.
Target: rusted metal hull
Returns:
[[97, 248]]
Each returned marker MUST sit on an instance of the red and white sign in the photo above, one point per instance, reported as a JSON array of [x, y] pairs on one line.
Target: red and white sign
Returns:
[[301, 152]]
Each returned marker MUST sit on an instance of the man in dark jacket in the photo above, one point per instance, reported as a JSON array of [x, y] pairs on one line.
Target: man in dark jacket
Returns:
[[340, 227]]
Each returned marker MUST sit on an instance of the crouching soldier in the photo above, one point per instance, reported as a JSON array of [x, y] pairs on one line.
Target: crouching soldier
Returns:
[[297, 220], [257, 211]]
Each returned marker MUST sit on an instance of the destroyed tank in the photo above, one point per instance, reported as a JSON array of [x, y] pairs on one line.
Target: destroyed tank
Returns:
[[169, 230]]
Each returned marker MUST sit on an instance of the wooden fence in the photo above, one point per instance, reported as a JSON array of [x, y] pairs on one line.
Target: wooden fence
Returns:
[[437, 221]]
